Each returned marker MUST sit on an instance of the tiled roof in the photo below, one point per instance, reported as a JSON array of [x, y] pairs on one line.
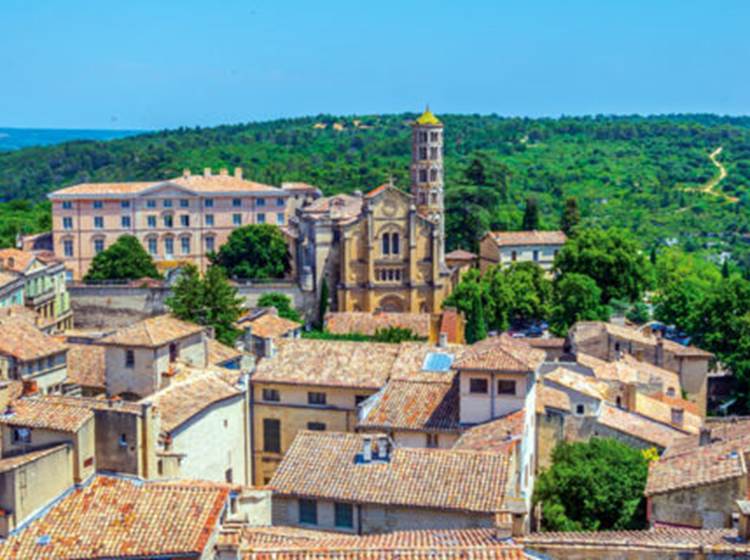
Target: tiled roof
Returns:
[[180, 401], [342, 208], [497, 435], [377, 190], [551, 342], [460, 255], [411, 356], [11, 463], [43, 413], [369, 323], [298, 186], [416, 405], [7, 278], [270, 325], [638, 426], [219, 353], [703, 465], [628, 369], [152, 332], [731, 429], [635, 335], [330, 363], [22, 340], [290, 543], [674, 539], [103, 189], [122, 518], [94, 404], [511, 238], [685, 351], [427, 478], [550, 397], [501, 353], [578, 382], [660, 409], [15, 260], [86, 365]]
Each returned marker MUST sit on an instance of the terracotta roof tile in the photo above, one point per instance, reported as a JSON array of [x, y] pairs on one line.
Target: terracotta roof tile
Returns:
[[270, 325], [511, 238], [638, 426], [411, 360], [577, 382], [15, 260], [460, 255], [629, 369], [339, 208], [498, 435], [551, 397], [22, 340], [720, 430], [122, 518], [86, 365], [428, 478], [7, 278], [11, 463], [660, 409], [152, 332], [94, 404], [40, 412], [219, 353], [636, 335], [501, 353], [369, 323]]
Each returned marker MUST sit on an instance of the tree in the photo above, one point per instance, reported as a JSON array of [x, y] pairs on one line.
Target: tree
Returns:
[[529, 291], [394, 335], [611, 257], [530, 215], [638, 313], [211, 301], [570, 216], [468, 215], [282, 303], [593, 486], [576, 298], [470, 298], [475, 173], [125, 259], [323, 303], [254, 252]]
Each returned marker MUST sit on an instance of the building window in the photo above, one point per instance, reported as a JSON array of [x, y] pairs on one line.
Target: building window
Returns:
[[208, 203], [316, 398], [209, 220], [125, 221], [167, 203], [21, 435], [271, 435], [124, 204], [185, 220], [580, 409], [423, 136], [150, 204], [536, 255], [506, 387], [280, 218], [168, 246], [98, 222], [168, 221], [478, 385], [279, 202], [422, 175], [67, 223], [261, 218], [432, 441], [129, 359], [237, 219], [513, 256], [261, 202], [228, 476], [434, 136], [308, 512], [422, 153], [173, 352], [359, 399], [386, 244], [185, 245], [433, 153], [98, 246], [210, 243], [67, 205], [343, 515], [68, 247], [433, 174], [395, 249], [98, 204], [152, 248], [151, 221], [271, 395], [316, 426], [184, 203], [122, 440], [236, 203]]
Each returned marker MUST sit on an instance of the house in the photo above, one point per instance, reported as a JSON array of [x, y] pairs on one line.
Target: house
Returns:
[[205, 427], [44, 286], [315, 385], [28, 354], [182, 219], [427, 326], [261, 327], [86, 370], [141, 358], [11, 289], [363, 484], [609, 342], [507, 247], [223, 356], [118, 518]]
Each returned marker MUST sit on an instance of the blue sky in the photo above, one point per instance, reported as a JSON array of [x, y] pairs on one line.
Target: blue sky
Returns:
[[164, 63]]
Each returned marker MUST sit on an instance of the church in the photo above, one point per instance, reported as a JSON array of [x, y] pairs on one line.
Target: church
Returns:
[[383, 250]]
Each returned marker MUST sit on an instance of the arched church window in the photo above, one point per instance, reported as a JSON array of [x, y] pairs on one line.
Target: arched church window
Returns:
[[422, 175], [395, 249], [386, 243]]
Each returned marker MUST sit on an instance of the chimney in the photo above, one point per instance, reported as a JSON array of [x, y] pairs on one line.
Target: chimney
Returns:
[[704, 438], [223, 172], [366, 449], [11, 262], [206, 171], [268, 347], [630, 395], [743, 529], [238, 173], [678, 415], [383, 448], [186, 173], [29, 387], [443, 340], [518, 529]]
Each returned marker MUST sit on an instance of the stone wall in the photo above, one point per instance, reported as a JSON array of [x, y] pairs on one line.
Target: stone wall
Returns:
[[112, 307], [709, 506]]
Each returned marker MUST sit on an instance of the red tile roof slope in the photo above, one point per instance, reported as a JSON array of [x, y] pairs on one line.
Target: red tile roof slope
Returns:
[[501, 353]]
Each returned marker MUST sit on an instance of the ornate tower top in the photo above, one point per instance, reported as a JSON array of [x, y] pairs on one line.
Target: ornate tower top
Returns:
[[428, 118]]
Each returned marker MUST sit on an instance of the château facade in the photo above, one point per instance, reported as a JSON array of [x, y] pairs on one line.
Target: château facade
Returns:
[[383, 250]]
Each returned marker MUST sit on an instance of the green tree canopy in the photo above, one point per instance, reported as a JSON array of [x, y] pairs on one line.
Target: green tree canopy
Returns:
[[254, 252], [518, 294], [470, 298], [570, 216], [531, 215], [282, 303], [576, 298], [469, 215], [125, 259], [593, 486], [186, 301], [611, 257]]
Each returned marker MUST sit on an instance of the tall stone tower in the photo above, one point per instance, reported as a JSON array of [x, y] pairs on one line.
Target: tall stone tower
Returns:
[[427, 170]]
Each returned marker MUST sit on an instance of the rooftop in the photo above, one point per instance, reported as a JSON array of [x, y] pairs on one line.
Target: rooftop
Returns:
[[11, 463], [7, 278], [532, 237], [577, 382], [427, 478], [219, 353], [497, 435], [15, 260], [86, 365], [152, 332], [270, 325], [638, 426], [342, 208], [22, 340], [369, 323], [501, 353], [460, 255], [122, 518], [428, 118], [628, 369], [41, 412]]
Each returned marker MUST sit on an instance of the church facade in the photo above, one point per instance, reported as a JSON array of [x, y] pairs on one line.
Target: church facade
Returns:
[[383, 250]]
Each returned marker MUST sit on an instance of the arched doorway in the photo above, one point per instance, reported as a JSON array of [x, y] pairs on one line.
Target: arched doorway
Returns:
[[391, 304]]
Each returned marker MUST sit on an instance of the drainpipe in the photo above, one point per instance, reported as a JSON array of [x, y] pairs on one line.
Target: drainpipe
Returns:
[[246, 415], [251, 422]]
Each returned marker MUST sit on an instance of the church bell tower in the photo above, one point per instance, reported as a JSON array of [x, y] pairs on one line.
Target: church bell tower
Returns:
[[427, 170]]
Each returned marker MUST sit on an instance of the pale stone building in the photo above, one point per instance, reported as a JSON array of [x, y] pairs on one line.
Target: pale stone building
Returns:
[[508, 247]]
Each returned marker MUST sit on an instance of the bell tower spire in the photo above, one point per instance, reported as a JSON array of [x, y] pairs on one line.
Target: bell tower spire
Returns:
[[427, 170]]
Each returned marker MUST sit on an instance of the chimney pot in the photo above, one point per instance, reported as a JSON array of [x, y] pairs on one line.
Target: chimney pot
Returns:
[[238, 172], [367, 449], [206, 171], [443, 340]]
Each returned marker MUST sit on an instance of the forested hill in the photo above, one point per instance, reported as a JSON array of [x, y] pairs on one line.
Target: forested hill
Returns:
[[648, 174]]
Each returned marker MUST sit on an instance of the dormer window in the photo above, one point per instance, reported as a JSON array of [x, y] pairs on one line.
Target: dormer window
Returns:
[[478, 385]]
